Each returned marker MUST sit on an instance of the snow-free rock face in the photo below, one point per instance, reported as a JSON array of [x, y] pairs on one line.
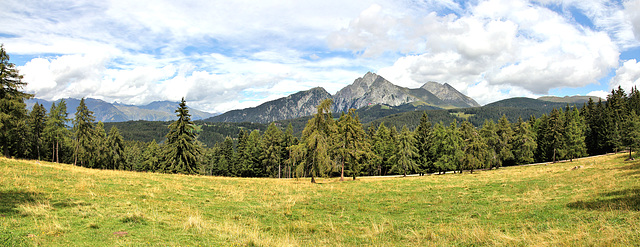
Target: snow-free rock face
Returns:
[[374, 89], [300, 104], [449, 95]]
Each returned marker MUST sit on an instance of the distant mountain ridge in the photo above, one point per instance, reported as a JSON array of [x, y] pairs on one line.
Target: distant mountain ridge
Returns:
[[371, 89], [577, 99], [116, 112]]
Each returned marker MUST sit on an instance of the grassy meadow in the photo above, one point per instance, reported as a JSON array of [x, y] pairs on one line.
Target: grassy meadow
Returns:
[[47, 204]]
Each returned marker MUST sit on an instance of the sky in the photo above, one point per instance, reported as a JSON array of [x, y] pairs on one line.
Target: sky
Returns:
[[224, 55]]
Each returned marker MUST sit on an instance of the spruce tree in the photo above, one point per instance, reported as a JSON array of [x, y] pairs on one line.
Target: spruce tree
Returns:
[[37, 123], [491, 138], [83, 136], [152, 154], [505, 134], [100, 156], [554, 135], [115, 146], [524, 145], [423, 135], [474, 147], [574, 135], [350, 143], [13, 110], [406, 153], [632, 132], [181, 152]]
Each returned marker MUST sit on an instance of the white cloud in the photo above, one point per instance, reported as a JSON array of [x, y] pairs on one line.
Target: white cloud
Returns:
[[632, 14], [627, 76]]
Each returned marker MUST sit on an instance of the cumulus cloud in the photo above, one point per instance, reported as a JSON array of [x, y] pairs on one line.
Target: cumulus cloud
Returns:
[[510, 47], [632, 13], [627, 76]]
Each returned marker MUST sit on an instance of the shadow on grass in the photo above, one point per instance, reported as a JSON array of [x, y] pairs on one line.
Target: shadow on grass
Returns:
[[628, 199], [9, 200]]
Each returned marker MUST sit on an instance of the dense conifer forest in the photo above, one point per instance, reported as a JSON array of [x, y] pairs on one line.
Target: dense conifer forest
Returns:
[[325, 144]]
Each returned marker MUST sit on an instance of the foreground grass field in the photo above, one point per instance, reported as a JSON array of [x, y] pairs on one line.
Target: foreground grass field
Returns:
[[46, 204]]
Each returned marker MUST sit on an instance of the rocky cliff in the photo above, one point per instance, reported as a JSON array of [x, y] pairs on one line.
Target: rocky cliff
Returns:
[[449, 95]]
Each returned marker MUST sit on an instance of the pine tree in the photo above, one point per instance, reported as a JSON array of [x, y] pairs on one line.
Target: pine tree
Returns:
[[632, 132], [181, 151], [56, 128], [315, 138], [407, 151], [13, 110], [115, 146], [152, 154], [272, 151], [84, 134], [37, 123], [423, 135]]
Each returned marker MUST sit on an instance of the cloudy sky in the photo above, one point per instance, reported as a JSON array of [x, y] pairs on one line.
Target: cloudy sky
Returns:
[[223, 55]]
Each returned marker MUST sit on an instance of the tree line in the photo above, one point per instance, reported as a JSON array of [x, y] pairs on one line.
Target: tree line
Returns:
[[328, 146]]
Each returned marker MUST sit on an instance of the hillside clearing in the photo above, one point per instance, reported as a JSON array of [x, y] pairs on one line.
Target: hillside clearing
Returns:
[[47, 204]]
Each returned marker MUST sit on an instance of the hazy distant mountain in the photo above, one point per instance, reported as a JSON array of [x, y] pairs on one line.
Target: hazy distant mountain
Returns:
[[571, 99], [293, 106], [373, 89], [449, 95], [107, 112]]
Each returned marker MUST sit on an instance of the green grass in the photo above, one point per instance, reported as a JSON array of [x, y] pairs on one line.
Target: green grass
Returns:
[[46, 204]]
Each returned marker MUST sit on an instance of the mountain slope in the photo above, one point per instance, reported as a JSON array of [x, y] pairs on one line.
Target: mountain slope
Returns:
[[449, 95], [293, 106], [571, 99]]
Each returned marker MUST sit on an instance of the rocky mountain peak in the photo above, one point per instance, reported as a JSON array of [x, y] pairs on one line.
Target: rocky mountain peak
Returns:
[[449, 94]]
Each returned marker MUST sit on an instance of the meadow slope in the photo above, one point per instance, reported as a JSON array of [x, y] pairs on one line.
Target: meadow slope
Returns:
[[47, 204]]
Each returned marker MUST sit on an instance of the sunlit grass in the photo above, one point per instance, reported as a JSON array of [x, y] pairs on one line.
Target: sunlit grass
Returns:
[[597, 203]]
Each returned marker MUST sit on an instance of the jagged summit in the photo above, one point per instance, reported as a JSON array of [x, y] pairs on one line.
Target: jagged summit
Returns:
[[449, 95]]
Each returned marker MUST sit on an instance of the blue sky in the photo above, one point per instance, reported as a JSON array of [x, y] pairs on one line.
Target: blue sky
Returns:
[[224, 55]]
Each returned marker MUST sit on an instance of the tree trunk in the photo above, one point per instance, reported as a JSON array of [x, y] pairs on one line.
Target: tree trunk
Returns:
[[554, 155], [53, 152], [57, 152], [313, 180], [342, 170]]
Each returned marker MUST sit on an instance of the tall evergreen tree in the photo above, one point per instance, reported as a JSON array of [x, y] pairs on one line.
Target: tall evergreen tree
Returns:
[[632, 132], [181, 151], [288, 141], [474, 147], [37, 123], [574, 138], [115, 146], [505, 134], [491, 138], [524, 145], [272, 151], [83, 135], [12, 107], [423, 135], [100, 157], [615, 112], [56, 128], [406, 153], [315, 137], [554, 135], [350, 143]]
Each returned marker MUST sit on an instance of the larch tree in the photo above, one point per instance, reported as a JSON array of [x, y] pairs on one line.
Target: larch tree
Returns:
[[491, 138], [181, 151], [406, 152], [505, 134], [316, 140], [272, 151], [350, 143]]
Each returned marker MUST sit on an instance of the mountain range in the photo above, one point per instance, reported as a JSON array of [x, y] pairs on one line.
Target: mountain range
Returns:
[[116, 112], [371, 89]]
